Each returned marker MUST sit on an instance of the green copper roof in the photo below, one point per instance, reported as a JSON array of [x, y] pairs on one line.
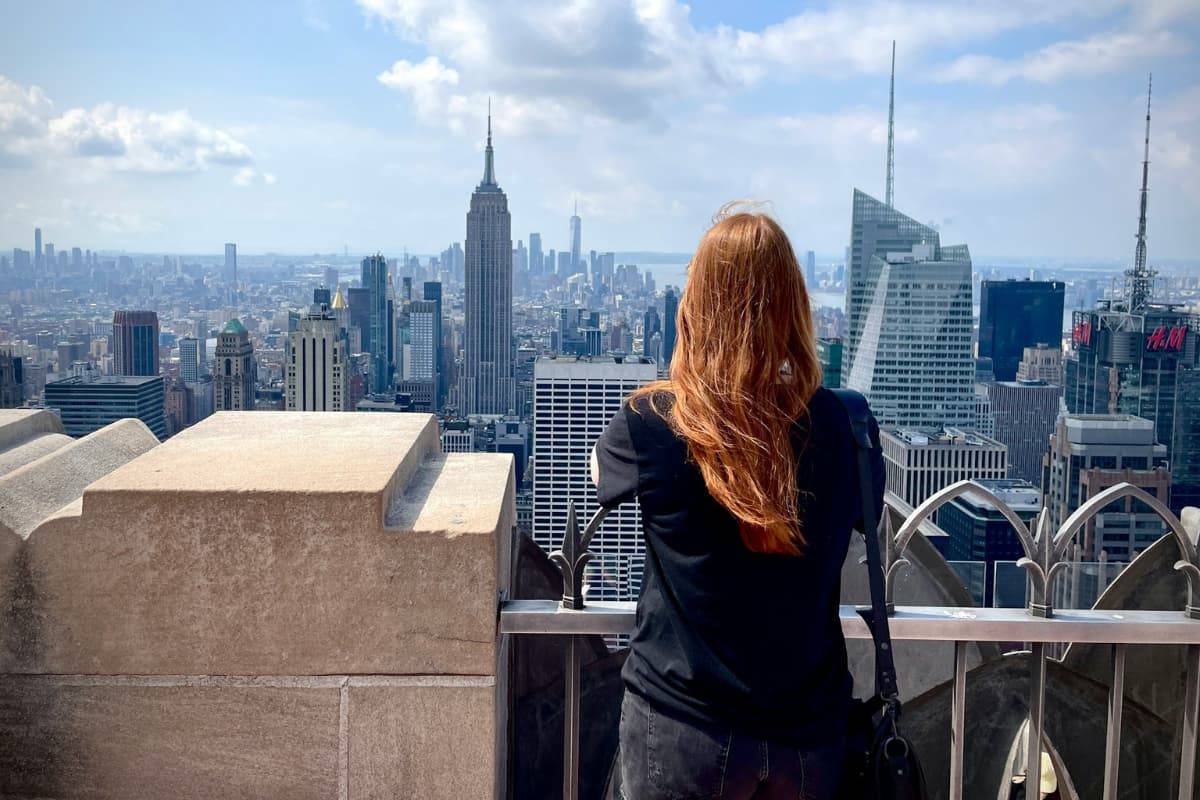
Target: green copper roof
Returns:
[[234, 326]]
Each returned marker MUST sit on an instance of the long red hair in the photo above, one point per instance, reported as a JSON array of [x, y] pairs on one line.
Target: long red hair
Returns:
[[743, 372]]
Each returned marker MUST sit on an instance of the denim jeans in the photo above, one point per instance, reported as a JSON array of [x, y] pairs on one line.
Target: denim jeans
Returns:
[[662, 758]]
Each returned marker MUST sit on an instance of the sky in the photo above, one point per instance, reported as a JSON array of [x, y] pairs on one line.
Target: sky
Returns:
[[312, 125]]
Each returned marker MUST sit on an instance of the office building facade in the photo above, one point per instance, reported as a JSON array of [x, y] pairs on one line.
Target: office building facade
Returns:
[[135, 343], [12, 380], [669, 331], [977, 532], [1024, 413], [1014, 315], [376, 335], [913, 356], [192, 359], [1131, 362], [829, 353], [1089, 453], [318, 365], [88, 402], [921, 463], [574, 399], [1042, 362], [875, 230]]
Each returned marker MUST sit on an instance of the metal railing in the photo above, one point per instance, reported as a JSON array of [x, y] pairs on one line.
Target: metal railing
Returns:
[[1039, 624]]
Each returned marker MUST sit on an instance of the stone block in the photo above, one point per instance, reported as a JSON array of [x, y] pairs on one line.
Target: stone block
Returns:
[[432, 739], [32, 492], [271, 544], [114, 738]]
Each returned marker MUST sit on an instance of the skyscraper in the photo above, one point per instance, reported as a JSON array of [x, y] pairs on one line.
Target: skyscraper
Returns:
[[12, 380], [1089, 453], [231, 275], [536, 258], [235, 371], [913, 359], [1133, 357], [576, 239], [135, 343], [433, 293], [829, 353], [650, 326], [875, 230], [810, 269], [191, 359], [574, 399], [486, 385], [88, 402], [1024, 412], [670, 310], [318, 369], [1014, 315], [421, 380], [375, 282], [37, 249]]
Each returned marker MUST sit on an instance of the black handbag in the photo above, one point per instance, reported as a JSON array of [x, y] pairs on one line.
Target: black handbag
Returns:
[[880, 763]]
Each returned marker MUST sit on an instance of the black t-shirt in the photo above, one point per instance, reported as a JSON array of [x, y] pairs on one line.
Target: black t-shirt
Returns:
[[724, 634]]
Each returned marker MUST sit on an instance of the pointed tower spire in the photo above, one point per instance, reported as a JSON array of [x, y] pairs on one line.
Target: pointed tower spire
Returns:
[[489, 170], [1140, 279], [891, 165]]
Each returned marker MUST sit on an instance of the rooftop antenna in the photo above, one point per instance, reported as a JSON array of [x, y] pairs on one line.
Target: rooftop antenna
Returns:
[[1140, 279], [489, 172], [891, 163]]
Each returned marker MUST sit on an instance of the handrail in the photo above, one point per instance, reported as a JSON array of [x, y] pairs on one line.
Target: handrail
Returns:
[[1038, 624], [913, 623]]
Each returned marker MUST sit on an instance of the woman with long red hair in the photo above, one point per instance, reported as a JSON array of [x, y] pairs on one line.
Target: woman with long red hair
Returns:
[[736, 682]]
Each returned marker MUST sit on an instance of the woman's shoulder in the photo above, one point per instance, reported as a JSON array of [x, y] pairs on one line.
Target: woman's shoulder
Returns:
[[826, 414], [653, 402]]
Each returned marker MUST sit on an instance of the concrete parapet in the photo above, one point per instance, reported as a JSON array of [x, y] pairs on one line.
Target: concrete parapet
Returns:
[[285, 548], [37, 489]]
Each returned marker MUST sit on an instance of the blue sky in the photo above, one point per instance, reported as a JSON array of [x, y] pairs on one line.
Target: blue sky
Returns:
[[305, 126]]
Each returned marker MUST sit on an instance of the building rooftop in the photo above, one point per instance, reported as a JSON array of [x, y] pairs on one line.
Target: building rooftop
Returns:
[[945, 437], [1020, 495], [234, 326], [105, 380]]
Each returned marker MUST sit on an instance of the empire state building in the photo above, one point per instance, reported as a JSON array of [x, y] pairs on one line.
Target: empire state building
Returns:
[[486, 385]]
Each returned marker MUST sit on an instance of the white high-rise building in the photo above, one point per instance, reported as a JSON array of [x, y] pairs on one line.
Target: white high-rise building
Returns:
[[317, 367], [921, 463], [573, 401], [913, 359]]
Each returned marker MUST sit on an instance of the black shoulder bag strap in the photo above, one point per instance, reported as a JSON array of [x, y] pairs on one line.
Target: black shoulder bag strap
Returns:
[[876, 616]]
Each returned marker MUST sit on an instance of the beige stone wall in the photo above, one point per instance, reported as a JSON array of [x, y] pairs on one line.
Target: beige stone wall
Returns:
[[267, 605]]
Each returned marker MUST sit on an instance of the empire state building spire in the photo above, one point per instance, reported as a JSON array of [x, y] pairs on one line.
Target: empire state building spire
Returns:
[[489, 169]]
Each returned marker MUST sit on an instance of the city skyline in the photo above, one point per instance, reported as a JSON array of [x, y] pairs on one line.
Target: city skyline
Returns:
[[1020, 137]]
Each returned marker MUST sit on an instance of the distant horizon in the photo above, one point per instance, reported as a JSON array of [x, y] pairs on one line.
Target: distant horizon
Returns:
[[664, 257]]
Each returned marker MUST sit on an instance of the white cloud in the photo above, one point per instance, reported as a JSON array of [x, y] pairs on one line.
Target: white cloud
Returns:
[[1096, 55], [111, 137], [561, 65], [249, 176]]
